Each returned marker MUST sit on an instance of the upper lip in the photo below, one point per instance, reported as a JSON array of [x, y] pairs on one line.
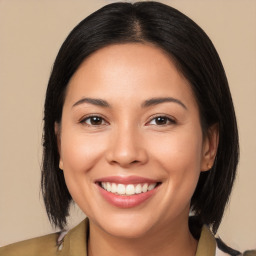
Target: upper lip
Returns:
[[126, 180]]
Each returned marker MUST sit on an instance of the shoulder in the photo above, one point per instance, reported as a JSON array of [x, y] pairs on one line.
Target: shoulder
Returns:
[[71, 243], [45, 245], [210, 245]]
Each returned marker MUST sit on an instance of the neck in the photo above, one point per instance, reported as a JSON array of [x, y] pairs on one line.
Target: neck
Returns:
[[166, 241]]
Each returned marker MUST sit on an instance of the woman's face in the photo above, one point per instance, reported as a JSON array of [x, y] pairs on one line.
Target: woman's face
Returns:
[[131, 124]]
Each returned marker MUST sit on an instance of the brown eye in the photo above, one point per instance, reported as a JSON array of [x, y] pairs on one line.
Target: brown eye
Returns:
[[161, 120], [94, 121]]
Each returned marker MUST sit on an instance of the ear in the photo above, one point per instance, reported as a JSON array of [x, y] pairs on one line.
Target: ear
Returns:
[[57, 130], [210, 147]]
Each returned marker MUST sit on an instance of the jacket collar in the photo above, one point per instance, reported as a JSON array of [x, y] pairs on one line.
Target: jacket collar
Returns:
[[75, 242], [206, 244]]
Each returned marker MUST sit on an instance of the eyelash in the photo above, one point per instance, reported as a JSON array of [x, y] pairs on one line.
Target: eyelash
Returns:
[[83, 121], [166, 118]]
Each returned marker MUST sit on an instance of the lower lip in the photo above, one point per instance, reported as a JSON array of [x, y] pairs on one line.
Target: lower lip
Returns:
[[126, 201]]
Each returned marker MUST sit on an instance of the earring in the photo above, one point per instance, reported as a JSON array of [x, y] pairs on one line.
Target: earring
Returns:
[[209, 166]]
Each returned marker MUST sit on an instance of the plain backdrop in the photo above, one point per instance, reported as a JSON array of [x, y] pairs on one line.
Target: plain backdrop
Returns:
[[31, 33]]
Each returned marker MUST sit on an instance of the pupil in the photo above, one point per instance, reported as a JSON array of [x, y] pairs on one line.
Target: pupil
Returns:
[[95, 120], [161, 120]]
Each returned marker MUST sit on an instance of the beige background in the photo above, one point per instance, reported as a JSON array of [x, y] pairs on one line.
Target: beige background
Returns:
[[31, 33]]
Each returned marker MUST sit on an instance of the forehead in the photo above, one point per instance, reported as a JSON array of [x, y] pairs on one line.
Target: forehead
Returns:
[[130, 71]]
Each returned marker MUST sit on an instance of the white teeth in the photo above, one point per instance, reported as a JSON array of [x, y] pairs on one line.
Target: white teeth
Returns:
[[114, 188], [109, 187], [104, 185], [145, 188], [129, 189], [151, 186], [120, 189], [138, 189]]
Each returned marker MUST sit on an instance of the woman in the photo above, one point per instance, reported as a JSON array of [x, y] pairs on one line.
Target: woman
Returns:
[[139, 131]]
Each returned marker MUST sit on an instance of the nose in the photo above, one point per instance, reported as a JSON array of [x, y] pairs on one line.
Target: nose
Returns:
[[126, 148]]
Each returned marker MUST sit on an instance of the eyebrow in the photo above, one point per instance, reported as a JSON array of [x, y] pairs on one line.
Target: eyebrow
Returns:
[[97, 102], [156, 101], [147, 103]]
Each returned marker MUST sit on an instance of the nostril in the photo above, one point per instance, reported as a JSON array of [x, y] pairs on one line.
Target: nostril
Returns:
[[126, 155]]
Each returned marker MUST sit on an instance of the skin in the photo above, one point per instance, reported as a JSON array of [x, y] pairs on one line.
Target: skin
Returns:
[[127, 140]]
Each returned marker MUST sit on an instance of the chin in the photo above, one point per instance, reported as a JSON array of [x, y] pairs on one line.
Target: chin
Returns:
[[126, 226], [128, 231]]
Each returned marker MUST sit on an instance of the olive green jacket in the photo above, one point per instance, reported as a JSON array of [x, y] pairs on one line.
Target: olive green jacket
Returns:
[[75, 244]]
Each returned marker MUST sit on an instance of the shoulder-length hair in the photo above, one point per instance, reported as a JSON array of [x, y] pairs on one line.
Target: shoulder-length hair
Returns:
[[195, 57]]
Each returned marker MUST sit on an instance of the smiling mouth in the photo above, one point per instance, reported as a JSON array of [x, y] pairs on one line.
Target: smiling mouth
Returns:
[[128, 189]]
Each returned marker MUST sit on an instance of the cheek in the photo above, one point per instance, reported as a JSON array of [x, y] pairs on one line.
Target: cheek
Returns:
[[80, 153], [179, 148], [179, 155]]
